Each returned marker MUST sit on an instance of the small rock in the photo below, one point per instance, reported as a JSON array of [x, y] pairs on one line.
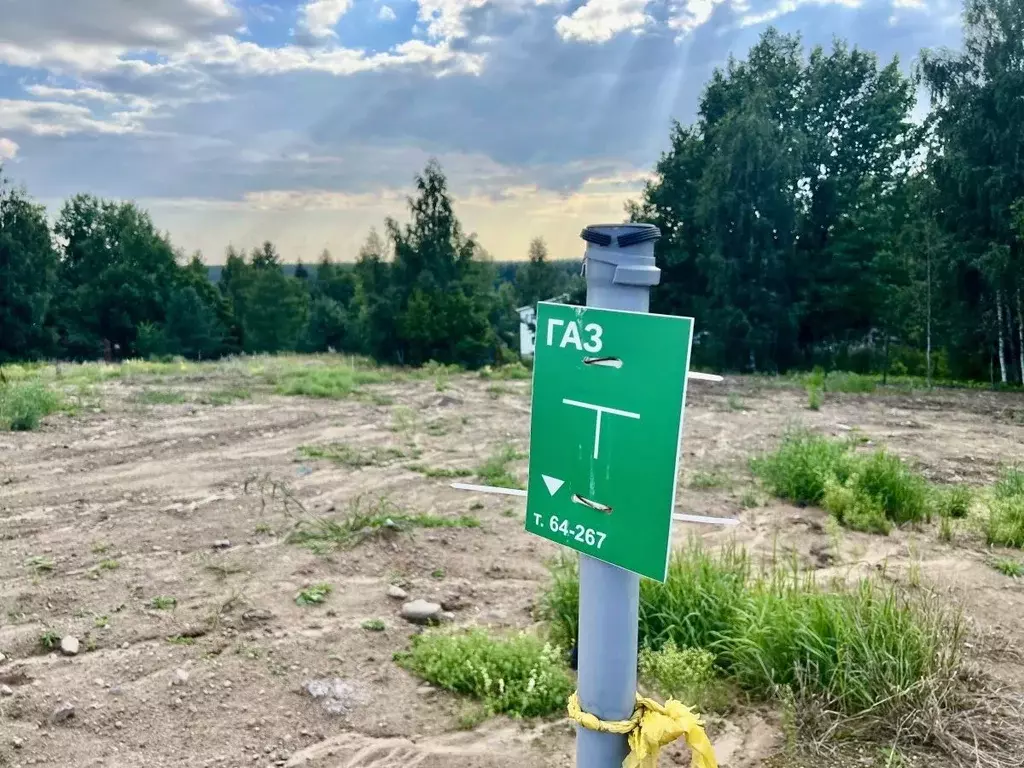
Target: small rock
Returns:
[[335, 695], [17, 743], [446, 616], [69, 645], [118, 724], [423, 690], [396, 592], [421, 612], [6, 690], [222, 544], [62, 713], [180, 677], [453, 602], [2, 658]]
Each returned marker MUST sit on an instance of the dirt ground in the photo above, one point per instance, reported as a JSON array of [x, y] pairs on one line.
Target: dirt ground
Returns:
[[134, 502]]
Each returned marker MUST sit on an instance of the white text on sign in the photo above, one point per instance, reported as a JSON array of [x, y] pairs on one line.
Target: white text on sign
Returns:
[[571, 335]]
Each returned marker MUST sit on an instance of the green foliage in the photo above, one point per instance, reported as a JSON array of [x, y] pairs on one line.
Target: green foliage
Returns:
[[1005, 524], [709, 480], [334, 381], [323, 534], [1008, 567], [315, 594], [537, 280], [24, 404], [49, 640], [856, 649], [163, 603], [517, 675], [161, 397], [374, 625], [867, 493], [686, 674], [1010, 483], [814, 398], [495, 471], [40, 564], [352, 456], [955, 502], [448, 473], [800, 468]]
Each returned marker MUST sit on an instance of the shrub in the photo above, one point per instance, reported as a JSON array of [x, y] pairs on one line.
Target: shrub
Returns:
[[23, 405], [814, 398], [517, 675], [1010, 483], [885, 478], [854, 508], [686, 674], [1005, 524], [800, 467], [327, 382], [954, 502], [857, 649]]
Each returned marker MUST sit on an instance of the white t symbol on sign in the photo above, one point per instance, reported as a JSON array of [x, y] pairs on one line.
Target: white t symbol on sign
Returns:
[[601, 410]]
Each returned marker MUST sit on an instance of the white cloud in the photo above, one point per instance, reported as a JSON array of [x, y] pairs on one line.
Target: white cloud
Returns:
[[52, 118], [319, 17], [8, 149], [598, 21], [250, 58], [789, 6], [696, 13], [909, 4], [387, 13]]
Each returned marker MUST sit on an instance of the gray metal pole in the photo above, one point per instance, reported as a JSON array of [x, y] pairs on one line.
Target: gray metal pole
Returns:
[[620, 272]]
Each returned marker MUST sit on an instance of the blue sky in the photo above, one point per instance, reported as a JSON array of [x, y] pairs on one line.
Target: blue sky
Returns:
[[304, 121]]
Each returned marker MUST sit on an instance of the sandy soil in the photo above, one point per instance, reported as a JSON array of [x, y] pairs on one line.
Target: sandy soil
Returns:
[[161, 490]]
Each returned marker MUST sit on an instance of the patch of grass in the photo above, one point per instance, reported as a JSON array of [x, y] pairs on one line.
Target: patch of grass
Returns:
[[858, 649], [336, 381], [517, 675], [40, 564], [263, 528], [108, 565], [686, 674], [441, 472], [866, 492], [324, 534], [750, 499], [163, 603], [497, 390], [1008, 567], [437, 573], [814, 398], [470, 717], [708, 480], [351, 456], [226, 396], [374, 625], [856, 383], [1005, 524], [735, 402], [181, 640], [495, 471], [315, 594], [511, 372], [101, 622], [954, 502], [946, 530], [1010, 483], [49, 640], [24, 404], [801, 466], [160, 397], [100, 547]]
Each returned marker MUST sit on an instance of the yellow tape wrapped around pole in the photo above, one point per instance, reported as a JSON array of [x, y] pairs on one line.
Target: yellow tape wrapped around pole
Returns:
[[651, 727]]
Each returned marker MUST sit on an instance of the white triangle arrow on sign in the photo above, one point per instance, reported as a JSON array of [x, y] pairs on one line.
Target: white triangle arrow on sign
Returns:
[[553, 483]]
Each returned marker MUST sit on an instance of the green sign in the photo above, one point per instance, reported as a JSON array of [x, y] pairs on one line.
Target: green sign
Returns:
[[605, 431]]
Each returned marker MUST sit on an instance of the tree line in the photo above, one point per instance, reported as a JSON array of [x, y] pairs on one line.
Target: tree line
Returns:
[[807, 219], [104, 282]]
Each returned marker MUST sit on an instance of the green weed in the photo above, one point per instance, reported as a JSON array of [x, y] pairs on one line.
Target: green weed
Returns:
[[327, 381], [160, 397], [374, 625], [313, 594], [49, 640], [163, 603], [24, 404], [1005, 524], [498, 390], [437, 573], [101, 622], [441, 472], [954, 502], [1010, 483], [946, 529], [735, 402], [226, 396], [885, 478], [517, 675], [1008, 567], [351, 456], [184, 640], [858, 649], [470, 717], [495, 471], [708, 480], [799, 469], [324, 534], [510, 372], [814, 398], [686, 674], [856, 510], [108, 565], [40, 564]]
